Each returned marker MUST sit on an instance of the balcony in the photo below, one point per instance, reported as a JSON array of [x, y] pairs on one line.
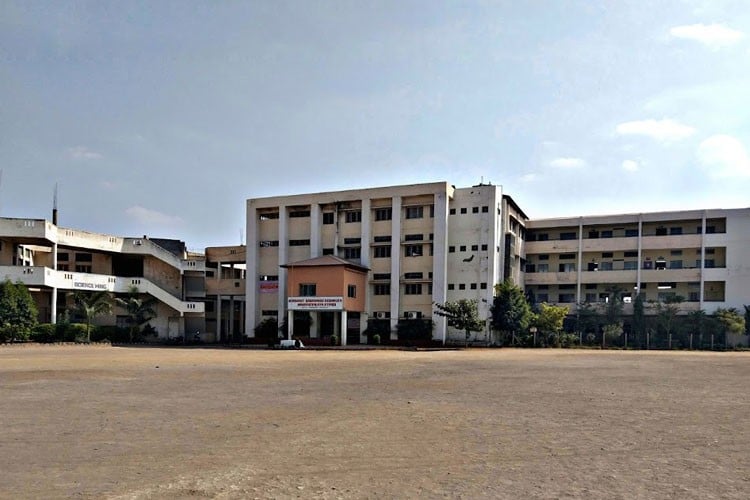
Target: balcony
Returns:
[[550, 278], [658, 242]]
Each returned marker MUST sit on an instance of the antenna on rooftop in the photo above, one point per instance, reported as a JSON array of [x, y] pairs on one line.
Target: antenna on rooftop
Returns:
[[54, 206]]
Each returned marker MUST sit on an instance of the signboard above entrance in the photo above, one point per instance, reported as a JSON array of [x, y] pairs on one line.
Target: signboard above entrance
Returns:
[[315, 303]]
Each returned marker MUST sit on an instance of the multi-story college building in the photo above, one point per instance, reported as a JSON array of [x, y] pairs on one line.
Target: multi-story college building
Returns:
[[326, 263]]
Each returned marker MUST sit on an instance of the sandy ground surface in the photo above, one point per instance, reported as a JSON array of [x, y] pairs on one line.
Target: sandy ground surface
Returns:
[[142, 423]]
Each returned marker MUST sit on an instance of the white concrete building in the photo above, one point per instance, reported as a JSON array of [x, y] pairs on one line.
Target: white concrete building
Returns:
[[53, 261], [422, 243]]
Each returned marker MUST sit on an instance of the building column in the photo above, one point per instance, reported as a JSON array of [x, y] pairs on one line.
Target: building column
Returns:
[[365, 260], [218, 317], [316, 249], [640, 255], [315, 324], [703, 261], [395, 263], [282, 259], [242, 316], [579, 267], [440, 260], [53, 305], [252, 301], [343, 327], [230, 329], [290, 324]]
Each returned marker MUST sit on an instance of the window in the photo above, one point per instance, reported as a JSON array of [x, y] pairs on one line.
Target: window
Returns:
[[483, 286], [567, 268], [307, 289], [590, 297], [473, 286], [413, 250], [675, 264], [414, 212], [451, 286], [530, 268], [352, 241], [382, 239], [452, 211], [451, 249], [542, 237], [413, 289], [475, 210], [352, 253], [568, 236], [383, 213], [299, 213], [299, 243], [382, 252], [630, 265], [709, 263], [413, 276], [543, 256], [484, 247], [567, 256], [485, 209], [631, 254], [268, 215], [351, 291], [567, 287], [328, 251], [675, 230], [605, 266], [268, 277], [413, 237], [474, 248], [542, 297], [63, 256], [590, 286], [462, 248], [463, 210], [630, 233], [675, 252], [353, 216], [432, 211], [461, 286], [327, 217], [63, 267], [542, 268], [606, 234], [566, 298], [381, 276], [84, 257], [607, 255], [268, 243], [709, 251], [382, 289]]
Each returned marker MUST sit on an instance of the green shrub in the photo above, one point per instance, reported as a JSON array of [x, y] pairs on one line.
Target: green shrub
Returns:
[[334, 340], [44, 333], [75, 332], [110, 332], [376, 339]]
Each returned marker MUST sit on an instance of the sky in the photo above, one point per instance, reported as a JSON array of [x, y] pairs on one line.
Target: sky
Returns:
[[163, 118]]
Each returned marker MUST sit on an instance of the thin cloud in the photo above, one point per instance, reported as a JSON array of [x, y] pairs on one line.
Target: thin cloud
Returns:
[[724, 156], [83, 153], [147, 216], [528, 178], [630, 165], [665, 130], [715, 36], [567, 163]]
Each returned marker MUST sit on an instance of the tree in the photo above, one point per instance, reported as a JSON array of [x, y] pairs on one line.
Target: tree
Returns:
[[613, 309], [91, 305], [731, 320], [462, 315], [587, 318], [666, 314], [550, 319], [747, 319], [698, 321], [18, 312], [639, 319], [511, 312], [139, 310]]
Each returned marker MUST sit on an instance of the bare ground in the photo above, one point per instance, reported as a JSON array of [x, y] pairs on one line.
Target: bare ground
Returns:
[[143, 423]]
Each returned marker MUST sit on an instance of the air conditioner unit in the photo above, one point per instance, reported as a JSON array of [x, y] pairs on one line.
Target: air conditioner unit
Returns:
[[380, 315], [412, 315]]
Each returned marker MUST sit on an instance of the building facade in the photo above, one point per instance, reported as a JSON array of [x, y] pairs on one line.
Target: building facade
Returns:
[[699, 255], [421, 243], [54, 261], [396, 251]]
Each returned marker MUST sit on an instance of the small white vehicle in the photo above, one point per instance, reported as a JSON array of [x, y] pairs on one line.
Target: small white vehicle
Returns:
[[291, 344]]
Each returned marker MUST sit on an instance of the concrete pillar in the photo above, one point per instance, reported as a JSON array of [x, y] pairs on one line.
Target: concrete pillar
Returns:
[[230, 328], [242, 317], [252, 313], [395, 262], [53, 305], [315, 324], [343, 328], [282, 258], [440, 261], [218, 317], [316, 249], [290, 324]]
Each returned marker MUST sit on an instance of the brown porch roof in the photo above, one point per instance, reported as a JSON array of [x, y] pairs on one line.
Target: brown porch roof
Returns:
[[326, 260]]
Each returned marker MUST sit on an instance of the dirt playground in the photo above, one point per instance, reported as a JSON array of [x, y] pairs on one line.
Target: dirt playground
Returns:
[[148, 423]]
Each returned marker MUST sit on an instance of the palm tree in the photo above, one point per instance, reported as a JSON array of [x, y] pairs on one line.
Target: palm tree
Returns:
[[139, 310], [91, 305]]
